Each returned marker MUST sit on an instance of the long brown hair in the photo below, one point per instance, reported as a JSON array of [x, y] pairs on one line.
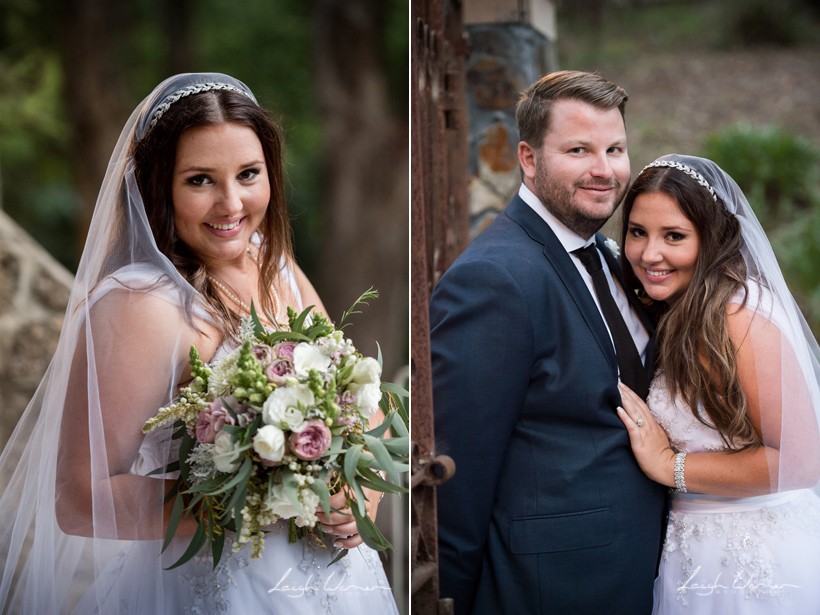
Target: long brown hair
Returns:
[[155, 156], [696, 355]]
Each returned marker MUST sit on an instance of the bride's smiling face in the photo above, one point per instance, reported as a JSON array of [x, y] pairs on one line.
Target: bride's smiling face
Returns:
[[220, 190], [662, 245]]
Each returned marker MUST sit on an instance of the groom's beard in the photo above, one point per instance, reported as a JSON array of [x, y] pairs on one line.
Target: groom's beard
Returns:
[[561, 202]]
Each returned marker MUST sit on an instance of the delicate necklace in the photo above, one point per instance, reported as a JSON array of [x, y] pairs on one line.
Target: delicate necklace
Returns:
[[244, 306]]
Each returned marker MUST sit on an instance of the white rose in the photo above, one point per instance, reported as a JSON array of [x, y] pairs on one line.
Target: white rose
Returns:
[[366, 371], [367, 397], [282, 507], [269, 443], [225, 454], [282, 407], [307, 357]]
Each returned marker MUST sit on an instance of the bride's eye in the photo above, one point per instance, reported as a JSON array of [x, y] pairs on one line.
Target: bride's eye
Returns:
[[248, 174], [635, 231], [197, 180]]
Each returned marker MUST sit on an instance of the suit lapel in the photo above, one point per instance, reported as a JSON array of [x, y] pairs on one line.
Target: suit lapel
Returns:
[[562, 263]]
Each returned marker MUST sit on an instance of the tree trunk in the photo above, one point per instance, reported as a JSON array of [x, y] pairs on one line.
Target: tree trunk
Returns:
[[364, 178], [94, 93]]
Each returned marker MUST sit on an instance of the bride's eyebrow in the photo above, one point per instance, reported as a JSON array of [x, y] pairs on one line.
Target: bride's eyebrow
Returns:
[[203, 169]]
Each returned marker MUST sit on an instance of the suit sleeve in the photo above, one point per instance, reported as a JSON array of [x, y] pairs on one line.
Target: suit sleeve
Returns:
[[481, 346]]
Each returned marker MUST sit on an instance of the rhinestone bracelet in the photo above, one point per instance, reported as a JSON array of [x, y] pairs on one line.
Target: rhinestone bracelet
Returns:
[[680, 482]]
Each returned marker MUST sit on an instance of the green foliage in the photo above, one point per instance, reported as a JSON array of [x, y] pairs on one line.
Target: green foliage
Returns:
[[780, 174], [35, 180], [777, 170]]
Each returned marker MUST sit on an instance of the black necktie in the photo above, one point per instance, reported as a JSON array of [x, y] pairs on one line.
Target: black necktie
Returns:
[[632, 370]]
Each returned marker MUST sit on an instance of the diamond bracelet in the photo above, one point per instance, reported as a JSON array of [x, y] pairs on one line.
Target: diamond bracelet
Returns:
[[680, 482]]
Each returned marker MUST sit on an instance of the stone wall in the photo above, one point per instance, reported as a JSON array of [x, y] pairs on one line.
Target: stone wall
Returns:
[[34, 292], [511, 45]]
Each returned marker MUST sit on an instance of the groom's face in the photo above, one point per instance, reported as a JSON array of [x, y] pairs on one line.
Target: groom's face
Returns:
[[582, 169]]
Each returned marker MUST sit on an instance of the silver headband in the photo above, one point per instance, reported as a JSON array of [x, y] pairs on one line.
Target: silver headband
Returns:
[[686, 169], [187, 91]]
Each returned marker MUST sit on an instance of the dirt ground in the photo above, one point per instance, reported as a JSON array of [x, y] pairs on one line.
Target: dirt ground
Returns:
[[677, 100]]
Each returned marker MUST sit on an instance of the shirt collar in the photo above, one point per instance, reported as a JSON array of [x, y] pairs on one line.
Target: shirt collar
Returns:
[[569, 239]]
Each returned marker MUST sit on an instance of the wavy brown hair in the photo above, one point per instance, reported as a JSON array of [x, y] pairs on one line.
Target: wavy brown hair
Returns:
[[155, 156], [696, 355]]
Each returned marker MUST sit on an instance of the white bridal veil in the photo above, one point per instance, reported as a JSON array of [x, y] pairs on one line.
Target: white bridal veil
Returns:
[[78, 497], [786, 354]]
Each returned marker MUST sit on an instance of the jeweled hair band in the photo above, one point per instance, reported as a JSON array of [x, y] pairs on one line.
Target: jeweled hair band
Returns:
[[187, 91], [686, 169]]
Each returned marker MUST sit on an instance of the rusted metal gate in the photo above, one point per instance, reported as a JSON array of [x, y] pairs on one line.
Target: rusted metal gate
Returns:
[[440, 226]]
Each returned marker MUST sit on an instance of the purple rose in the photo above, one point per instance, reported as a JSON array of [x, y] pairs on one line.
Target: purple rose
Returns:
[[312, 441], [278, 370], [284, 350], [210, 422]]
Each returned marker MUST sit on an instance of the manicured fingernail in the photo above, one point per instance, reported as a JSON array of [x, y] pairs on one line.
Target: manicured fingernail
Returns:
[[337, 544], [621, 410]]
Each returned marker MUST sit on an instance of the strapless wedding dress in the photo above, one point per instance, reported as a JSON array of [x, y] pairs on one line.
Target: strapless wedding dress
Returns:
[[723, 556]]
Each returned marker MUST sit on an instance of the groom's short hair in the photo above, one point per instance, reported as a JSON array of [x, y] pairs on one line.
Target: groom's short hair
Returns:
[[532, 113]]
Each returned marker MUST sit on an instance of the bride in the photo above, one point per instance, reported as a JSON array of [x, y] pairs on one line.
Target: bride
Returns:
[[190, 228], [731, 421]]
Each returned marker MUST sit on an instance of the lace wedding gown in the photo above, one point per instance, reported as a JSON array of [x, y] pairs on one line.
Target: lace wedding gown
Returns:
[[754, 555], [293, 578]]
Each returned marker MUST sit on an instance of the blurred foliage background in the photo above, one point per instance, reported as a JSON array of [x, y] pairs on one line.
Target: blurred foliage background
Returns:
[[334, 72], [737, 81]]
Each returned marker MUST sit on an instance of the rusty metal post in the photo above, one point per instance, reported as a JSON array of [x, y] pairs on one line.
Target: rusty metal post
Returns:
[[440, 228]]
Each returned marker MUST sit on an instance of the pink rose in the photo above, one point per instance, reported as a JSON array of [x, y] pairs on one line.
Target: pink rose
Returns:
[[284, 350], [278, 370], [312, 441], [262, 353], [211, 421]]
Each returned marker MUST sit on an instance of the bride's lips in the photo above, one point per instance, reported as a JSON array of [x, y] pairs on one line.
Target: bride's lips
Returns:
[[228, 228], [656, 276]]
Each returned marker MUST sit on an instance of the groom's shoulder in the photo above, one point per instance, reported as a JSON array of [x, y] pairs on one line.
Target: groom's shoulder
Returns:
[[504, 237]]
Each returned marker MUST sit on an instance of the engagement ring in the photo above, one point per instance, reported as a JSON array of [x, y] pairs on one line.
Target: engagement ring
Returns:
[[640, 422]]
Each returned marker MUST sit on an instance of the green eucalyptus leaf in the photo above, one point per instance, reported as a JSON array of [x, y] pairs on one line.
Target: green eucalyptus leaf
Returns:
[[383, 457], [173, 521], [319, 487], [217, 544], [241, 476], [370, 534], [193, 548]]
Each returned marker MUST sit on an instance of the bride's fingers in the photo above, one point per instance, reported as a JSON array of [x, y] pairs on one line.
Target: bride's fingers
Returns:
[[348, 543], [627, 420], [341, 529], [632, 403]]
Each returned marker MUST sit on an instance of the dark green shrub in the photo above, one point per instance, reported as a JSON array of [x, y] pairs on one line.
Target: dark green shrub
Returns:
[[777, 170], [752, 23]]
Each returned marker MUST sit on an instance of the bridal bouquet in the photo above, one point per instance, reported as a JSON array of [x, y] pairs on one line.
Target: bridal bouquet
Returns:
[[276, 427]]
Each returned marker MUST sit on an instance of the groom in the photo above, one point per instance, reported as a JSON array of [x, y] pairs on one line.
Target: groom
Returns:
[[548, 511]]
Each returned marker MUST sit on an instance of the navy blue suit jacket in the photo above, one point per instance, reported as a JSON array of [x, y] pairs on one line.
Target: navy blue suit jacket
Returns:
[[548, 511]]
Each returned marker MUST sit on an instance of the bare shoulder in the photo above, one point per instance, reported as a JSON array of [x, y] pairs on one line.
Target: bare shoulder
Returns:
[[144, 318], [748, 326]]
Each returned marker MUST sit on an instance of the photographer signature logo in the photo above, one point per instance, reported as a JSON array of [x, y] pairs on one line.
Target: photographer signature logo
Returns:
[[312, 585], [745, 583]]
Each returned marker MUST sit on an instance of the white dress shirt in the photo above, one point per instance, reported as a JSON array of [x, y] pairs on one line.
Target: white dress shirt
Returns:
[[572, 241]]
